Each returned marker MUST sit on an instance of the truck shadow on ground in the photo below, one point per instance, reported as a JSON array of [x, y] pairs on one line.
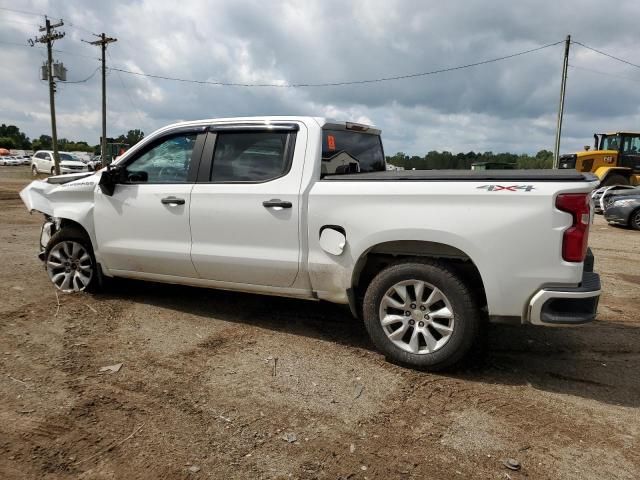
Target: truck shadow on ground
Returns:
[[600, 361]]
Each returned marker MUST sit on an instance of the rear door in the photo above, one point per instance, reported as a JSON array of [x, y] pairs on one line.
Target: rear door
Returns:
[[245, 208]]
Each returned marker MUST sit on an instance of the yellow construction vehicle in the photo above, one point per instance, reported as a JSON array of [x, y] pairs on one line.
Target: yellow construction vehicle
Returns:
[[615, 158]]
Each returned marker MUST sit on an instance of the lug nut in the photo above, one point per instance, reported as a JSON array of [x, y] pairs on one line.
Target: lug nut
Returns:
[[426, 317], [413, 305], [407, 313], [421, 324], [412, 322], [423, 308]]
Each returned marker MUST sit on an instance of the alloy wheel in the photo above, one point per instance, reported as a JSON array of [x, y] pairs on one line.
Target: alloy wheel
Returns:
[[416, 316], [69, 266]]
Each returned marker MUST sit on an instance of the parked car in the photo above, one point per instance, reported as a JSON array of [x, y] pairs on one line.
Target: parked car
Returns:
[[623, 208], [609, 193], [9, 160], [243, 204], [25, 160], [42, 162]]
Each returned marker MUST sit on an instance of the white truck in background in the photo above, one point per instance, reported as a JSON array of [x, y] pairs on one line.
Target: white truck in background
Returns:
[[304, 207]]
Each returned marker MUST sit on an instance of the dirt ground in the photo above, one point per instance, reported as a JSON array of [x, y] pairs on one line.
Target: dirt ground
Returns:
[[226, 385]]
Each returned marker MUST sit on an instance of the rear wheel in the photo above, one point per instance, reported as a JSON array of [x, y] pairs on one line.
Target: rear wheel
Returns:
[[421, 315], [70, 262], [53, 170], [615, 179], [634, 219]]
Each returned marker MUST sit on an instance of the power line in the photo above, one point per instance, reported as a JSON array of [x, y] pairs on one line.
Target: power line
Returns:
[[607, 54], [126, 90], [336, 84], [85, 80], [10, 20], [73, 25], [607, 74], [22, 11], [44, 48]]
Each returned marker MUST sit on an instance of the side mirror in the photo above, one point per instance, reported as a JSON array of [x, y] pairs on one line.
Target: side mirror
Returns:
[[111, 176], [587, 147]]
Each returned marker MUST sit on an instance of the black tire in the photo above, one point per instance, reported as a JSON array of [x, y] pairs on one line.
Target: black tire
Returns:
[[53, 170], [34, 171], [75, 234], [634, 219], [615, 179], [466, 313]]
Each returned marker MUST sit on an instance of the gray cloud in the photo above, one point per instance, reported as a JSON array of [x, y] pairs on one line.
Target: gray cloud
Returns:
[[510, 105]]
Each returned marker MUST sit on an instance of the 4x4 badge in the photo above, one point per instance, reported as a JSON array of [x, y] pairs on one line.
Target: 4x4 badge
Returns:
[[508, 188]]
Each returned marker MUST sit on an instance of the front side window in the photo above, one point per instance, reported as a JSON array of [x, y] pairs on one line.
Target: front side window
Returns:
[[250, 156], [611, 142], [345, 151], [166, 162]]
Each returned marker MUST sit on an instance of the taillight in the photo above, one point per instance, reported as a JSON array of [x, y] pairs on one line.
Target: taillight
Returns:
[[575, 239]]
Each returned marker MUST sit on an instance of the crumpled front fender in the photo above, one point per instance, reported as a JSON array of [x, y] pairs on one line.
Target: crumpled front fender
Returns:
[[69, 197]]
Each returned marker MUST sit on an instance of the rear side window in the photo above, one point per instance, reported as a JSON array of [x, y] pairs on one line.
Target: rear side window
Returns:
[[345, 151], [251, 156]]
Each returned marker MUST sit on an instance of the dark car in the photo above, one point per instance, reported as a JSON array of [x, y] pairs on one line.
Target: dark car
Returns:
[[624, 208]]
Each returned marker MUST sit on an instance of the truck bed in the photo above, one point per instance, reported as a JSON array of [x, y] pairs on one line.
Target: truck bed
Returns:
[[467, 176]]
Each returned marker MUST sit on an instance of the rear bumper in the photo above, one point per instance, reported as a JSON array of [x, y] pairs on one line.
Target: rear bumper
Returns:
[[566, 306]]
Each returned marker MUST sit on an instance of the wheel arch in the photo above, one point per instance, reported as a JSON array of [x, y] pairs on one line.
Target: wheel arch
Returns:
[[383, 254]]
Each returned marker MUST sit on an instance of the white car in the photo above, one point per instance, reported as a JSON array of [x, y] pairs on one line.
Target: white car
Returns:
[[257, 205], [9, 160], [42, 162]]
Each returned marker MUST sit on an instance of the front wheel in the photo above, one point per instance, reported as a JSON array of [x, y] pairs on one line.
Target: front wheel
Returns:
[[70, 262], [634, 219], [421, 315], [34, 171]]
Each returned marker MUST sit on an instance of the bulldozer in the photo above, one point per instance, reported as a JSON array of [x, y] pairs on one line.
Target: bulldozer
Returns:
[[615, 158]]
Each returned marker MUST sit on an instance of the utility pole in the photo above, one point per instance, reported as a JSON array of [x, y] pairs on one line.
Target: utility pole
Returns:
[[563, 88], [103, 42], [49, 38]]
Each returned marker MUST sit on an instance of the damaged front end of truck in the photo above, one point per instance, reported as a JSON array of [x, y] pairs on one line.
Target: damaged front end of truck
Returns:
[[62, 199]]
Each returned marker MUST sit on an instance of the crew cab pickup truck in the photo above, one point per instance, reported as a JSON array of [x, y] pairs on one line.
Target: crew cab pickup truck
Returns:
[[304, 207]]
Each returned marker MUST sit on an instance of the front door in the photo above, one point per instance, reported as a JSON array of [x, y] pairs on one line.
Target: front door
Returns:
[[144, 226], [245, 207]]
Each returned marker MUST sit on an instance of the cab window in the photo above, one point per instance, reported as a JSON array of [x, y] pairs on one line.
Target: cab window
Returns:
[[345, 151], [251, 156], [631, 145]]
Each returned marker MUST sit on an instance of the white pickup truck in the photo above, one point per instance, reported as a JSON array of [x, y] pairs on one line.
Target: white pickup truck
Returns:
[[304, 207]]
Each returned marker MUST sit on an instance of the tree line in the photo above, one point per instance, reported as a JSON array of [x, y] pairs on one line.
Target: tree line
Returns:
[[462, 161], [12, 138]]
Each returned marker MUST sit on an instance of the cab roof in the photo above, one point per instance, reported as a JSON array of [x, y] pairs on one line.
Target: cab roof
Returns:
[[619, 133]]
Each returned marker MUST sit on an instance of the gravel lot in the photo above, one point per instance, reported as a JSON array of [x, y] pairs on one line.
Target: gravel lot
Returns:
[[224, 385]]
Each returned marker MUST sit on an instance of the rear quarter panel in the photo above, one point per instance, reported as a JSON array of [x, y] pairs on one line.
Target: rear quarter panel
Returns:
[[513, 237]]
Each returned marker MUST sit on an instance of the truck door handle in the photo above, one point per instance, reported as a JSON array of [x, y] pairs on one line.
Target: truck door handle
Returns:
[[276, 202], [172, 201]]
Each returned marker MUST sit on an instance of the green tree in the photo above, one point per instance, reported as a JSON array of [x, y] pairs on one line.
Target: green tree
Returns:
[[7, 142], [19, 139]]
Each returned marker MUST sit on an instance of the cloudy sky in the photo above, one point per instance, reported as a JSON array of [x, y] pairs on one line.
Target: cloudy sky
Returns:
[[505, 106]]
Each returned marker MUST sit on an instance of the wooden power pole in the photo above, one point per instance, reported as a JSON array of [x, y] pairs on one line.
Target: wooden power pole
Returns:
[[49, 37], [103, 41], [563, 88]]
